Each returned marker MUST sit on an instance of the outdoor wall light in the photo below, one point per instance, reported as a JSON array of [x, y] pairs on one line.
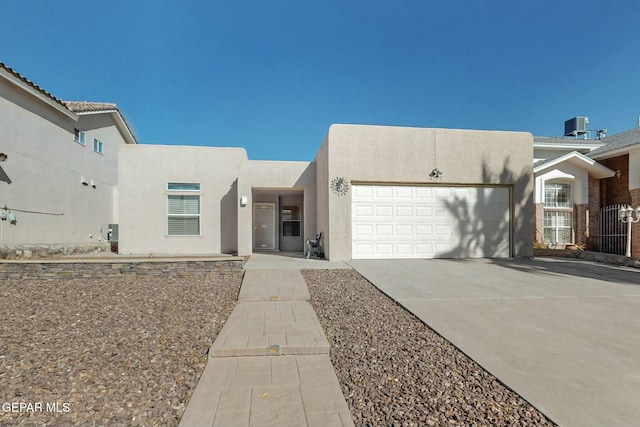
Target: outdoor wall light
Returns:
[[3, 157], [244, 200], [618, 173], [625, 214], [436, 173]]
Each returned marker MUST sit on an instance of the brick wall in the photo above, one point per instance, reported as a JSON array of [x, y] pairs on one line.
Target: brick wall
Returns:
[[616, 190], [107, 269], [593, 214], [580, 226]]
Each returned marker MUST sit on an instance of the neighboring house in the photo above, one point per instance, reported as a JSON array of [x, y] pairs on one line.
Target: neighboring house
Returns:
[[60, 176], [580, 185]]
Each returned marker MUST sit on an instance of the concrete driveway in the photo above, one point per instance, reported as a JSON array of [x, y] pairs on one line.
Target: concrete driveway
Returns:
[[564, 334]]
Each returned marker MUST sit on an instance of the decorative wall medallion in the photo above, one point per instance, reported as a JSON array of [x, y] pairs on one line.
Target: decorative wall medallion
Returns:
[[339, 186]]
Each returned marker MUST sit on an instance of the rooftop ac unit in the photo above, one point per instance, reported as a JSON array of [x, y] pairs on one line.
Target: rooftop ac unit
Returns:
[[576, 126]]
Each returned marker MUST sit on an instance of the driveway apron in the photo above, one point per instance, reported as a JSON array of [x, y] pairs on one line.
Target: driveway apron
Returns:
[[563, 334]]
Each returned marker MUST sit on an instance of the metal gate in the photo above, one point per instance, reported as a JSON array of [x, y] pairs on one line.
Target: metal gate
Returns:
[[613, 232]]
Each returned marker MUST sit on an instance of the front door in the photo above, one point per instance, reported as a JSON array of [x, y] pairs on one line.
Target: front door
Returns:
[[291, 228], [264, 225]]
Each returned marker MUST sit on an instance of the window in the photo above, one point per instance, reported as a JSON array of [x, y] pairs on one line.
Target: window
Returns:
[[557, 227], [557, 196], [183, 210], [183, 186], [98, 146], [290, 221], [557, 214], [79, 137], [183, 213]]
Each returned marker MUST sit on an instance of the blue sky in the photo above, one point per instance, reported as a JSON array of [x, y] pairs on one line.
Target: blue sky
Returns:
[[272, 76]]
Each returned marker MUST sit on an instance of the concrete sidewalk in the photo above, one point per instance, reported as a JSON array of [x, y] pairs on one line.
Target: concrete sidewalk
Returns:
[[270, 365]]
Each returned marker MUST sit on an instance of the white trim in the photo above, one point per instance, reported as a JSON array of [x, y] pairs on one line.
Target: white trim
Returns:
[[574, 147], [119, 121], [594, 168]]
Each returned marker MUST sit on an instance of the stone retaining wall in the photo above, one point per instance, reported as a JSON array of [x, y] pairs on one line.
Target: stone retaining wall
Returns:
[[589, 256], [48, 251], [104, 269]]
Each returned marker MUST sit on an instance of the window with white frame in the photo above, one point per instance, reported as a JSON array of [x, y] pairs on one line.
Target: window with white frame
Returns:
[[558, 213], [98, 146], [80, 137], [183, 210]]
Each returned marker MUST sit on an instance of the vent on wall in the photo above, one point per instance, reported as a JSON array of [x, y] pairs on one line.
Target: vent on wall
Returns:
[[576, 126]]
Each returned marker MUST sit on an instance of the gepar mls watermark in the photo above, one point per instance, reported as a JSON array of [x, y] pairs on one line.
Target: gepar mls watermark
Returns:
[[33, 407]]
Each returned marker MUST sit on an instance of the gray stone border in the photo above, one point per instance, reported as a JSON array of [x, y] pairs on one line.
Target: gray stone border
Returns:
[[73, 269], [589, 256]]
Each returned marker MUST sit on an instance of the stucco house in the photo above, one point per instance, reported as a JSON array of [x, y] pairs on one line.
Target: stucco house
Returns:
[[59, 177], [373, 191]]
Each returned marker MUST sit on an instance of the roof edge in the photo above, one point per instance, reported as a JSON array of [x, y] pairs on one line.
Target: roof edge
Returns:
[[28, 86], [594, 168]]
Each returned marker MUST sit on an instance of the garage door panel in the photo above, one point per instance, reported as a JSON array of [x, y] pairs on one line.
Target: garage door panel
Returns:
[[404, 230], [384, 211], [383, 192], [430, 221], [404, 192], [363, 211], [404, 211], [384, 230]]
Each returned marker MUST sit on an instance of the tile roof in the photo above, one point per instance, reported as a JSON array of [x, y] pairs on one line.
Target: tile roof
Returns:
[[85, 107], [30, 83], [90, 107], [618, 141], [77, 107]]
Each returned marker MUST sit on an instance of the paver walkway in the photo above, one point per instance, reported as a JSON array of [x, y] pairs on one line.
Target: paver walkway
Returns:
[[270, 365]]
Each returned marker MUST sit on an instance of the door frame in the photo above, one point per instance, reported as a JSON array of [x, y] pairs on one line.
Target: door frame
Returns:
[[273, 226]]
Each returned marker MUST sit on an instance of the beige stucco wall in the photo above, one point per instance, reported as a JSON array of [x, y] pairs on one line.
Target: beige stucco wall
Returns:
[[322, 192], [45, 166], [380, 154], [143, 177], [271, 178]]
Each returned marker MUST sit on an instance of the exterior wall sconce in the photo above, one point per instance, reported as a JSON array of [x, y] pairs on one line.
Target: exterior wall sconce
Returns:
[[244, 200], [436, 173], [3, 157], [625, 214], [618, 173]]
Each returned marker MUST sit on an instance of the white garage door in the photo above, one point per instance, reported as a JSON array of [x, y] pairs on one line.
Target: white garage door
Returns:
[[430, 222]]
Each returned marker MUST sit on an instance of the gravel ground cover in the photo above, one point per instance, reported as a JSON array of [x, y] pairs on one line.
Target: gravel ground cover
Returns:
[[396, 371], [108, 352]]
